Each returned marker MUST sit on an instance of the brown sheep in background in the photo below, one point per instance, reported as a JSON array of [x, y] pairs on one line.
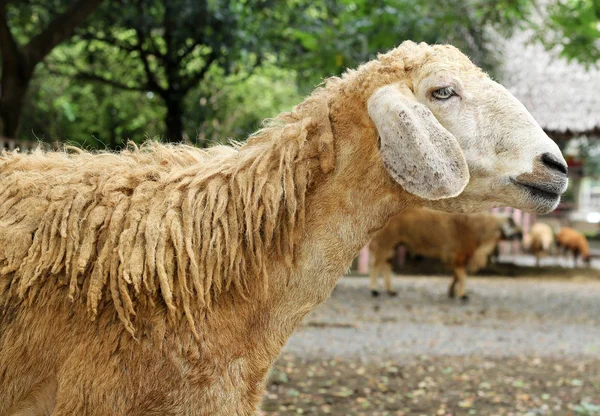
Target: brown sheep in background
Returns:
[[539, 241], [462, 242], [165, 280], [569, 240]]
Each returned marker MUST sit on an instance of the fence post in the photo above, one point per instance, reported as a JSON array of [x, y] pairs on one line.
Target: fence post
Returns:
[[401, 255]]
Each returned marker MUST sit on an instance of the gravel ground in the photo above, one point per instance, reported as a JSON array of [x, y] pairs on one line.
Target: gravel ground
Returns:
[[518, 347], [504, 317]]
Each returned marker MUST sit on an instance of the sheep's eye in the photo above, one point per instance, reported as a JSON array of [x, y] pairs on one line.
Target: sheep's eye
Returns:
[[443, 93]]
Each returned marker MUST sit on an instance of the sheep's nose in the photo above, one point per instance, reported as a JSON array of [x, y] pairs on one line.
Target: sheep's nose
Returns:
[[553, 163]]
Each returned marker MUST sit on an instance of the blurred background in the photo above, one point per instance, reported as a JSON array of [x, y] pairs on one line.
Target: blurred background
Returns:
[[99, 73]]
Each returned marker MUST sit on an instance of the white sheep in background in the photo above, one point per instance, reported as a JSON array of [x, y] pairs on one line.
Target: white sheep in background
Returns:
[[165, 280], [539, 241]]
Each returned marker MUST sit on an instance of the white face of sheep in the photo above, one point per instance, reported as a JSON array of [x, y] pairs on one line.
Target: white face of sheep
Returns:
[[464, 143]]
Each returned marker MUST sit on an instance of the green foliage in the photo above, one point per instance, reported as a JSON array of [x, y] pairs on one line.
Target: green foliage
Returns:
[[227, 64], [574, 25], [569, 195], [96, 115], [91, 115], [339, 34], [27, 18], [169, 47], [220, 57], [231, 107], [170, 43], [589, 151]]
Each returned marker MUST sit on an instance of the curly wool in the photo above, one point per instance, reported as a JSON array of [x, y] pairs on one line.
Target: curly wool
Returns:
[[185, 222]]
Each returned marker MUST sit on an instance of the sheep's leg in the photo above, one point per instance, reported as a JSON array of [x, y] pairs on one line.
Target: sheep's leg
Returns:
[[452, 288], [40, 400], [457, 288], [387, 278], [374, 274]]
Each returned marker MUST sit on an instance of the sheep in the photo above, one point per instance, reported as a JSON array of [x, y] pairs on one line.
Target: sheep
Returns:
[[166, 279], [462, 242], [539, 241], [570, 240]]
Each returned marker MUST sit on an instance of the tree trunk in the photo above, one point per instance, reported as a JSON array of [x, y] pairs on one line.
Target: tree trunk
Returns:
[[174, 120], [11, 108], [15, 80], [18, 64]]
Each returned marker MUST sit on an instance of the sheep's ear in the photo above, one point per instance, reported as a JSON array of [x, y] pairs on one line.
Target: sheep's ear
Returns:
[[420, 154]]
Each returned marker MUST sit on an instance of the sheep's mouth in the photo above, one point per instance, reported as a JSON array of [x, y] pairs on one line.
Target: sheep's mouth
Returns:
[[539, 190]]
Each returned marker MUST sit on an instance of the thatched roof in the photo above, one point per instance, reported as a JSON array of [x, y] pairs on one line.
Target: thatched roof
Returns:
[[563, 97]]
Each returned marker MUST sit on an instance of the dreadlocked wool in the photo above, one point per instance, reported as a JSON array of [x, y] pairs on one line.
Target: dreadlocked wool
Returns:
[[175, 221]]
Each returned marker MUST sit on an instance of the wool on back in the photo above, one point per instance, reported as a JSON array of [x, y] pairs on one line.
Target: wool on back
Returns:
[[176, 222]]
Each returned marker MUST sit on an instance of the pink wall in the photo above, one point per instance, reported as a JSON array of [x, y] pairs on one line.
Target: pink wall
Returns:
[[363, 260]]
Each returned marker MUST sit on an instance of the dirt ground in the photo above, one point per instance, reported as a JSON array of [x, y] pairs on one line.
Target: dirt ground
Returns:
[[518, 347]]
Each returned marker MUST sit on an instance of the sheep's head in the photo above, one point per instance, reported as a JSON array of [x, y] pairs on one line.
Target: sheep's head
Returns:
[[460, 141]]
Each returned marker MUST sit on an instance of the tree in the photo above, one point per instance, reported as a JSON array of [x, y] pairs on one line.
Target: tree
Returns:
[[337, 34], [167, 47], [574, 27], [20, 61], [87, 114], [233, 106]]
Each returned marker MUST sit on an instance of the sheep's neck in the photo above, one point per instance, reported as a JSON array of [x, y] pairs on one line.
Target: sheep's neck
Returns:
[[343, 211], [334, 235], [251, 335], [335, 231]]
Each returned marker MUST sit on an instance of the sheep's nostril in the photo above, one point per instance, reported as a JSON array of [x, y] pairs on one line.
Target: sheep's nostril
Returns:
[[554, 163]]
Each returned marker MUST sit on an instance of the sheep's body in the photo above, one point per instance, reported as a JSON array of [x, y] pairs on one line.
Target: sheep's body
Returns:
[[129, 260], [540, 241], [165, 280], [241, 312], [462, 242], [209, 258], [572, 241]]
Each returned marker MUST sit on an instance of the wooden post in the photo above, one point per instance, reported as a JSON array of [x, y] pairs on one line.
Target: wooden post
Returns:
[[518, 217], [401, 253]]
